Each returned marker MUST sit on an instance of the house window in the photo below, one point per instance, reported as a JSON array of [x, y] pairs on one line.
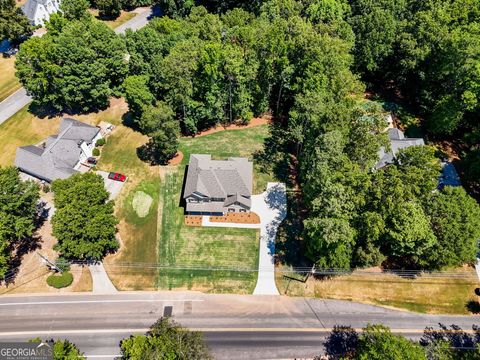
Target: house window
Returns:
[[231, 210], [243, 210]]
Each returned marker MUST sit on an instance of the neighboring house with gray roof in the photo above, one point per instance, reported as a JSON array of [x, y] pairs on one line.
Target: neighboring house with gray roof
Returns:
[[61, 155], [216, 187], [38, 11], [398, 141]]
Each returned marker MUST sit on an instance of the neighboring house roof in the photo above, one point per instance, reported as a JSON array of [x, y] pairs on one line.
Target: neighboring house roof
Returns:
[[38, 11], [222, 179], [449, 176], [398, 141], [58, 155]]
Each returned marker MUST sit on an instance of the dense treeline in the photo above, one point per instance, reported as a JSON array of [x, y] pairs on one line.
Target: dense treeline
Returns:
[[376, 342], [18, 212], [298, 60]]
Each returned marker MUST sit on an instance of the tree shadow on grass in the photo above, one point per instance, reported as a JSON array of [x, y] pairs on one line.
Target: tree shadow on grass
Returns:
[[473, 307], [19, 249], [276, 158]]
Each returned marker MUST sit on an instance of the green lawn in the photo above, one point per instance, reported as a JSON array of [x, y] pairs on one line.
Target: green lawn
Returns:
[[8, 82], [190, 257]]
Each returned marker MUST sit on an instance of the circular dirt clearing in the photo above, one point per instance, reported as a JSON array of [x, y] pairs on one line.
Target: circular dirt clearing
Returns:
[[141, 203]]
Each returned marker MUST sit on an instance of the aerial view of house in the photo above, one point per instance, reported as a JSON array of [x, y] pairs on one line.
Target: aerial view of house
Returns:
[[398, 141], [38, 11], [216, 187], [61, 155], [237, 180]]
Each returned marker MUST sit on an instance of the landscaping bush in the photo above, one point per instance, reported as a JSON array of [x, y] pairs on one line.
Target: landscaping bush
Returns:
[[63, 264], [100, 142], [60, 281], [95, 152]]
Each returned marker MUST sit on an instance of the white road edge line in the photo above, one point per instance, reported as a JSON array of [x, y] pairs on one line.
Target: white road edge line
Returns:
[[97, 301], [205, 330]]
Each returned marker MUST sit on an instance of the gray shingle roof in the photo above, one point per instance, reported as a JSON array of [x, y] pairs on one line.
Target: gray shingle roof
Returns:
[[398, 141], [227, 179], [59, 154]]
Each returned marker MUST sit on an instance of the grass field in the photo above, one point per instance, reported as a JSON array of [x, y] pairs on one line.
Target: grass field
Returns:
[[425, 294], [161, 237], [112, 24], [8, 82]]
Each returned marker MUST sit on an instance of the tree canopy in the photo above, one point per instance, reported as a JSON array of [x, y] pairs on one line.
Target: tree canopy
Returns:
[[83, 223], [76, 67], [18, 200], [165, 340], [13, 23]]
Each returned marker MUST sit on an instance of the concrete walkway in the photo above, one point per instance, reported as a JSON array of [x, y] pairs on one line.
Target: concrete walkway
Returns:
[[271, 207], [100, 279]]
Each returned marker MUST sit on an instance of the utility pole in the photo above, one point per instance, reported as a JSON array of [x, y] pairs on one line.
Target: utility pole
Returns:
[[48, 262]]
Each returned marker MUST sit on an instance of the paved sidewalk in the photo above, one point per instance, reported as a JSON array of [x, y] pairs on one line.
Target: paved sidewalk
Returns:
[[101, 281], [271, 207], [14, 103]]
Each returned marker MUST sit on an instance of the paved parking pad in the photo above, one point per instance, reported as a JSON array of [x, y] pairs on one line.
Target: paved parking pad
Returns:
[[113, 187]]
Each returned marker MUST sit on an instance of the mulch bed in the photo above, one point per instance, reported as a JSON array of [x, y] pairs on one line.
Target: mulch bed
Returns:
[[193, 220], [239, 218]]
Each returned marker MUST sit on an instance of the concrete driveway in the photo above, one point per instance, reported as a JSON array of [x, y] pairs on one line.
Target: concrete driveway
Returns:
[[271, 207], [113, 187]]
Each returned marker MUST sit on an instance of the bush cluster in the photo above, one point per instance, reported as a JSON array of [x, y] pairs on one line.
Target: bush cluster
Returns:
[[60, 281]]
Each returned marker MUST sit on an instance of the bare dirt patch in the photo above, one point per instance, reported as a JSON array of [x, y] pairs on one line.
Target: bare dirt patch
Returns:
[[177, 159], [141, 203], [238, 218], [266, 119]]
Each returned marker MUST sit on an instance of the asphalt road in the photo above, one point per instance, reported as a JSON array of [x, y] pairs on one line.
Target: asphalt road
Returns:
[[235, 327], [19, 99]]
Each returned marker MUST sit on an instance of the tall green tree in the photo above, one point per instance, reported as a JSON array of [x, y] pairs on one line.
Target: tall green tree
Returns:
[[75, 9], [165, 340], [109, 9], [13, 23], [377, 343], [18, 200], [455, 220], [83, 223], [62, 349], [76, 70], [137, 94], [159, 123]]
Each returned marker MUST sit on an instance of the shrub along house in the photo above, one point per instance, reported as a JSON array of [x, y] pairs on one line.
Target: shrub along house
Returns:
[[61, 155], [216, 187]]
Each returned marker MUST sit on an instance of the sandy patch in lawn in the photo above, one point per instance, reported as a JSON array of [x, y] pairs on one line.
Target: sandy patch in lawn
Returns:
[[141, 203], [266, 119]]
